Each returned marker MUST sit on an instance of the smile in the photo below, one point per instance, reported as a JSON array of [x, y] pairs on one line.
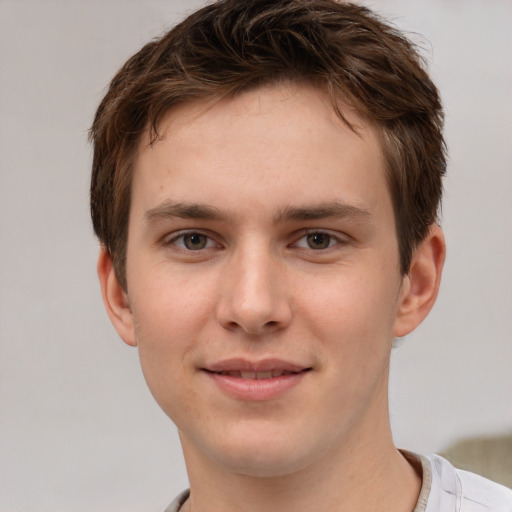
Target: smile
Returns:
[[255, 381]]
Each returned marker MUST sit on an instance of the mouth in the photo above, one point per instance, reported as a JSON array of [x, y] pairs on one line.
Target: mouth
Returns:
[[255, 370], [250, 375], [256, 381]]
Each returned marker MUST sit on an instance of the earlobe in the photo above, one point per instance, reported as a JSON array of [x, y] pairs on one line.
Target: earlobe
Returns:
[[115, 299], [421, 285]]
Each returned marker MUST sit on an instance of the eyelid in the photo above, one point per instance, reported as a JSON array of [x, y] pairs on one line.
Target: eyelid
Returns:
[[171, 238], [339, 238]]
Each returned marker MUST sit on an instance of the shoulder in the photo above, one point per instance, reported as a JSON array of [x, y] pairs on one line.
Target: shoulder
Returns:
[[461, 491]]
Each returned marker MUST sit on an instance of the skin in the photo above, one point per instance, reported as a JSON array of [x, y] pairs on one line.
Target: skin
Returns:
[[261, 227]]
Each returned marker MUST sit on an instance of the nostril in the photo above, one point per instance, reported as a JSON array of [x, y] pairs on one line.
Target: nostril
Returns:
[[254, 313]]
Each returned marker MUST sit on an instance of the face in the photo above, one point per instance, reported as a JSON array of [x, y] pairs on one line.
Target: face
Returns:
[[263, 279]]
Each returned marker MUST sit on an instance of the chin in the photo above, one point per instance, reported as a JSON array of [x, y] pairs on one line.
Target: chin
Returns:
[[264, 465], [265, 455]]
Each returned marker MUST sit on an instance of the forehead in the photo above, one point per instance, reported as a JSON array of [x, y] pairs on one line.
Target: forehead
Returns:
[[274, 145]]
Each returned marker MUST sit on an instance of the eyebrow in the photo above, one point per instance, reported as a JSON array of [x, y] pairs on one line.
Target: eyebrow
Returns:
[[184, 210], [322, 211], [169, 209]]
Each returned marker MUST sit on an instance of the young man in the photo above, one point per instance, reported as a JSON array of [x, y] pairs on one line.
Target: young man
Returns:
[[265, 187]]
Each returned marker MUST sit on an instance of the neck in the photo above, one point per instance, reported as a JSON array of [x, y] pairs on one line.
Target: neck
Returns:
[[369, 475]]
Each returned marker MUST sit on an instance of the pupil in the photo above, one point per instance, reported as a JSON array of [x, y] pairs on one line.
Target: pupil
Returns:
[[319, 240], [195, 241]]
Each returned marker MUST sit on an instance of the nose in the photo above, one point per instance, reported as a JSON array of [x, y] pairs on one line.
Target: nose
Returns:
[[254, 296]]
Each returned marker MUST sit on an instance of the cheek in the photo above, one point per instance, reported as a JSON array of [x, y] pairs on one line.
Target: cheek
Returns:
[[353, 322], [165, 338], [169, 317], [168, 304], [355, 304]]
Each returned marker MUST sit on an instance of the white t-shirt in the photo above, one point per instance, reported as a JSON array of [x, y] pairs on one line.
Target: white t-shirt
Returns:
[[455, 490], [444, 489]]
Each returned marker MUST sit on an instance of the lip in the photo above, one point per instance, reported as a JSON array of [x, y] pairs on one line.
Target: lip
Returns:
[[225, 375], [264, 365]]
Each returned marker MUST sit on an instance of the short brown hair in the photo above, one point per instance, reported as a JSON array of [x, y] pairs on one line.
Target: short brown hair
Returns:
[[231, 46]]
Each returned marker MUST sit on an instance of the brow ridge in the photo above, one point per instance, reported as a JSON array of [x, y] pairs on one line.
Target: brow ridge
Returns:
[[169, 209], [185, 210], [322, 211]]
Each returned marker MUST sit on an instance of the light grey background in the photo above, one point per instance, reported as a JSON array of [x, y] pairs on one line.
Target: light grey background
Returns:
[[78, 429]]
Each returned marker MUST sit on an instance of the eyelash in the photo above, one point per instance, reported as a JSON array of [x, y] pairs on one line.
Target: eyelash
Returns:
[[182, 235], [332, 240]]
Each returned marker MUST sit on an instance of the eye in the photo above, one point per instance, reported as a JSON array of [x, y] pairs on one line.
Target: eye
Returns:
[[317, 240], [193, 241]]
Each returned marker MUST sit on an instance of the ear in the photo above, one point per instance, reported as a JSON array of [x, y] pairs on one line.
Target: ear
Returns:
[[115, 299], [421, 285]]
